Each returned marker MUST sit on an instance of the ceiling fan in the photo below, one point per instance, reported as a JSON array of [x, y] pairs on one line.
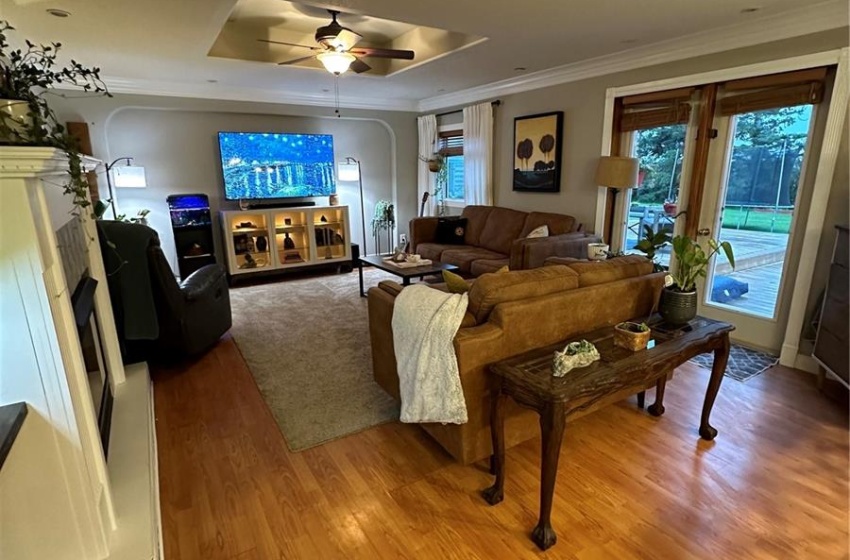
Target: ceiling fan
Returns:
[[336, 52]]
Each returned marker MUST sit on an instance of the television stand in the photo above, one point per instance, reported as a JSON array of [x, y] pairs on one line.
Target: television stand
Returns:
[[270, 205]]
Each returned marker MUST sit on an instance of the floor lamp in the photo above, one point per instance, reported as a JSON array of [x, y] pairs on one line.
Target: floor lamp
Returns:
[[616, 173], [129, 176], [349, 170]]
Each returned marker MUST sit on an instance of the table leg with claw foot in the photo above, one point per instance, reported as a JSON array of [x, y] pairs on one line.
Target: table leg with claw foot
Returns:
[[496, 493], [718, 368], [657, 408]]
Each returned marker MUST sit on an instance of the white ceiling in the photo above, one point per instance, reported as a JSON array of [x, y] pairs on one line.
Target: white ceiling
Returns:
[[160, 46]]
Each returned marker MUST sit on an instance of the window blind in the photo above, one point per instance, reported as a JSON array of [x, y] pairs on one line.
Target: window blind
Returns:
[[774, 91], [451, 143], [654, 109]]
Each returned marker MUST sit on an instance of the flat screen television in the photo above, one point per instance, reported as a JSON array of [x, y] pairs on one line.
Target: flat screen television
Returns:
[[262, 165]]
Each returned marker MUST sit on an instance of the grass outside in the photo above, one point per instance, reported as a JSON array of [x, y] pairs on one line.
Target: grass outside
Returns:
[[757, 219]]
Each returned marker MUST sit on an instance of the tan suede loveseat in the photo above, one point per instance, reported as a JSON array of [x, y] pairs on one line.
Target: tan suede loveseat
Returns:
[[511, 313], [496, 237]]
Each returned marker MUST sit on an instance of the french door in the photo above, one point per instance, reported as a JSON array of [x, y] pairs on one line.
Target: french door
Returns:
[[752, 191], [664, 156]]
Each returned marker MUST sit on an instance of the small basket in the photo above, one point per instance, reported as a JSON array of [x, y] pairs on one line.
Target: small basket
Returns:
[[629, 340]]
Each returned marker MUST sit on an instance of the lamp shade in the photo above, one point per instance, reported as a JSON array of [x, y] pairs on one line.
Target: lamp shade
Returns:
[[617, 172], [349, 171], [129, 177], [336, 62]]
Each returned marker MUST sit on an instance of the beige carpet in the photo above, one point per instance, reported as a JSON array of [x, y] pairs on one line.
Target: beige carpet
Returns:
[[306, 342]]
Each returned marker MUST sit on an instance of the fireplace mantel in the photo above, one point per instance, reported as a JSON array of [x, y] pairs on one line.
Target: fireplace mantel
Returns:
[[58, 497]]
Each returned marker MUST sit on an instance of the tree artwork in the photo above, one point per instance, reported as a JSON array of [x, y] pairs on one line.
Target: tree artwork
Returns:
[[524, 151], [547, 144], [538, 151]]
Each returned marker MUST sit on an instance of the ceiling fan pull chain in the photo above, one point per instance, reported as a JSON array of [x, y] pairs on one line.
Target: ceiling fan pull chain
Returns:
[[336, 95]]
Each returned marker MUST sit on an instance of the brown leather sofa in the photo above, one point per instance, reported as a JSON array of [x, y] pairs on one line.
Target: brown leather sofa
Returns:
[[496, 237], [512, 313]]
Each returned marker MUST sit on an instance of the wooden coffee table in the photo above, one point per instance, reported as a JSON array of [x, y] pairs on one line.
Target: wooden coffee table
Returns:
[[404, 273], [619, 373]]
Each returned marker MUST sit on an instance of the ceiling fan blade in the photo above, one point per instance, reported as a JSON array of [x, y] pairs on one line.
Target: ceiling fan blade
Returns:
[[290, 44], [384, 53], [296, 60], [346, 39], [358, 67]]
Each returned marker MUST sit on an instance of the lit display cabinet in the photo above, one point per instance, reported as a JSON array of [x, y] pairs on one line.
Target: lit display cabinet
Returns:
[[283, 238]]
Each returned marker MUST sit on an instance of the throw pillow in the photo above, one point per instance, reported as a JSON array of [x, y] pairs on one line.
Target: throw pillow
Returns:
[[542, 231], [451, 231], [503, 270], [455, 283]]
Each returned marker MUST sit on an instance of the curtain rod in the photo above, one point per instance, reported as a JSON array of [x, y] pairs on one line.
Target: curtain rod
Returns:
[[495, 103]]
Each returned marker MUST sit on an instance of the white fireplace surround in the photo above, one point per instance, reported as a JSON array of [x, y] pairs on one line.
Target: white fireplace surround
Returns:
[[59, 498]]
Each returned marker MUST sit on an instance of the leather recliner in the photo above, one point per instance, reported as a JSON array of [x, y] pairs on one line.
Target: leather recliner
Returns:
[[157, 317]]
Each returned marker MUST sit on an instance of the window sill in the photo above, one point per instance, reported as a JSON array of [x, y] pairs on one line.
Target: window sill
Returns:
[[455, 203]]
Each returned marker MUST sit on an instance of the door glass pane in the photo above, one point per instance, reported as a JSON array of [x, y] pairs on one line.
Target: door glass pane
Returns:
[[760, 191], [655, 201]]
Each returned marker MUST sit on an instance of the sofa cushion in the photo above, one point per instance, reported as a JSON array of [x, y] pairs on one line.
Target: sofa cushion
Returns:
[[433, 251], [591, 273], [502, 228], [491, 289], [455, 283], [558, 223], [451, 231], [464, 257], [476, 218], [483, 266]]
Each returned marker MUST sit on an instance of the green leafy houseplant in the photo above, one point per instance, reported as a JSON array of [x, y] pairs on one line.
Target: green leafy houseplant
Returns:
[[26, 76], [678, 302], [692, 261], [651, 242]]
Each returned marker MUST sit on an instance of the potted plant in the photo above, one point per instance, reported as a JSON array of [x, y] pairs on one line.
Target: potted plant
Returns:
[[631, 336], [678, 303], [651, 242], [383, 220], [25, 117]]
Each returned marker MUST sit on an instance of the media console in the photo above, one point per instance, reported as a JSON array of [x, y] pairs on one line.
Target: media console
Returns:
[[261, 240]]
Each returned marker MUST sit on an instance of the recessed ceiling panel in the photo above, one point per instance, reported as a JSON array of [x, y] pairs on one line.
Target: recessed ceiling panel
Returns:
[[253, 23]]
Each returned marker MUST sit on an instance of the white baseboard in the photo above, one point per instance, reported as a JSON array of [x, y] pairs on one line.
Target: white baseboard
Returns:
[[806, 363]]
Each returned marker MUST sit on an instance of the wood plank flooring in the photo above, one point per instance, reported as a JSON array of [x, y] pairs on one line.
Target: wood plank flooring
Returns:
[[774, 484]]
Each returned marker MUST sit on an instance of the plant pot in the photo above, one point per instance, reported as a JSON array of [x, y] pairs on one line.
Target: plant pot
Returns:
[[677, 308], [625, 337], [16, 115], [435, 165]]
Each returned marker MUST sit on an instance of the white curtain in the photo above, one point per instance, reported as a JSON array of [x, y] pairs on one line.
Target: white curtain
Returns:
[[478, 153], [427, 146]]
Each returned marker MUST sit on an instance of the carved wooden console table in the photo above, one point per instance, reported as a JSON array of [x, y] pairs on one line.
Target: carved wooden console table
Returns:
[[618, 374]]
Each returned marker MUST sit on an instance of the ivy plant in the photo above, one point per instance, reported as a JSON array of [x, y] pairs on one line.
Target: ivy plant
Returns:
[[27, 75]]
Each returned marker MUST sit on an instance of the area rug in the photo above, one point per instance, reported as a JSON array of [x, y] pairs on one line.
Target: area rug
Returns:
[[306, 342], [743, 363]]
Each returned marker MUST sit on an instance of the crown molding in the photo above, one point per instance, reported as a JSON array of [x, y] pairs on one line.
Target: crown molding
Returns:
[[229, 93], [794, 23]]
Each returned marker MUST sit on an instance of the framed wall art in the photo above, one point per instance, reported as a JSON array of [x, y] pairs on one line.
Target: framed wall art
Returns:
[[538, 140]]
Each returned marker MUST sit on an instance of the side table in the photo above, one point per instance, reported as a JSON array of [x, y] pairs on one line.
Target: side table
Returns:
[[619, 373]]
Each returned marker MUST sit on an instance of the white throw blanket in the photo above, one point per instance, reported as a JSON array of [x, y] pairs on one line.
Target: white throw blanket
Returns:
[[425, 322]]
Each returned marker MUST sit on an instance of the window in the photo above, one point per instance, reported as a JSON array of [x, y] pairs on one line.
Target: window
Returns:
[[451, 148]]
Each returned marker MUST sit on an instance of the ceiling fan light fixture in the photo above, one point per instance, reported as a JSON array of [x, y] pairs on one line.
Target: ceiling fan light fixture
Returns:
[[336, 62]]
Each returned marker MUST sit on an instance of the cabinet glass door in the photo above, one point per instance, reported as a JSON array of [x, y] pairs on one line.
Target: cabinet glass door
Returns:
[[329, 228], [292, 241], [250, 234]]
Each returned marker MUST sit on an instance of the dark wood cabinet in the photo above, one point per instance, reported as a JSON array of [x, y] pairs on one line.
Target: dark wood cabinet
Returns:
[[832, 350]]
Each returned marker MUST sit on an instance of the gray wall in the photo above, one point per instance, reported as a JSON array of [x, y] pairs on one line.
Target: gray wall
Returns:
[[176, 141], [583, 105]]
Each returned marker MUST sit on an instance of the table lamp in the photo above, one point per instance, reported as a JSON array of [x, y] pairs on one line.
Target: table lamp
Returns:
[[617, 172]]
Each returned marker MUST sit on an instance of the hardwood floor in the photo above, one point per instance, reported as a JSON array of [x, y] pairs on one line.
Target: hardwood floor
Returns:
[[774, 484]]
